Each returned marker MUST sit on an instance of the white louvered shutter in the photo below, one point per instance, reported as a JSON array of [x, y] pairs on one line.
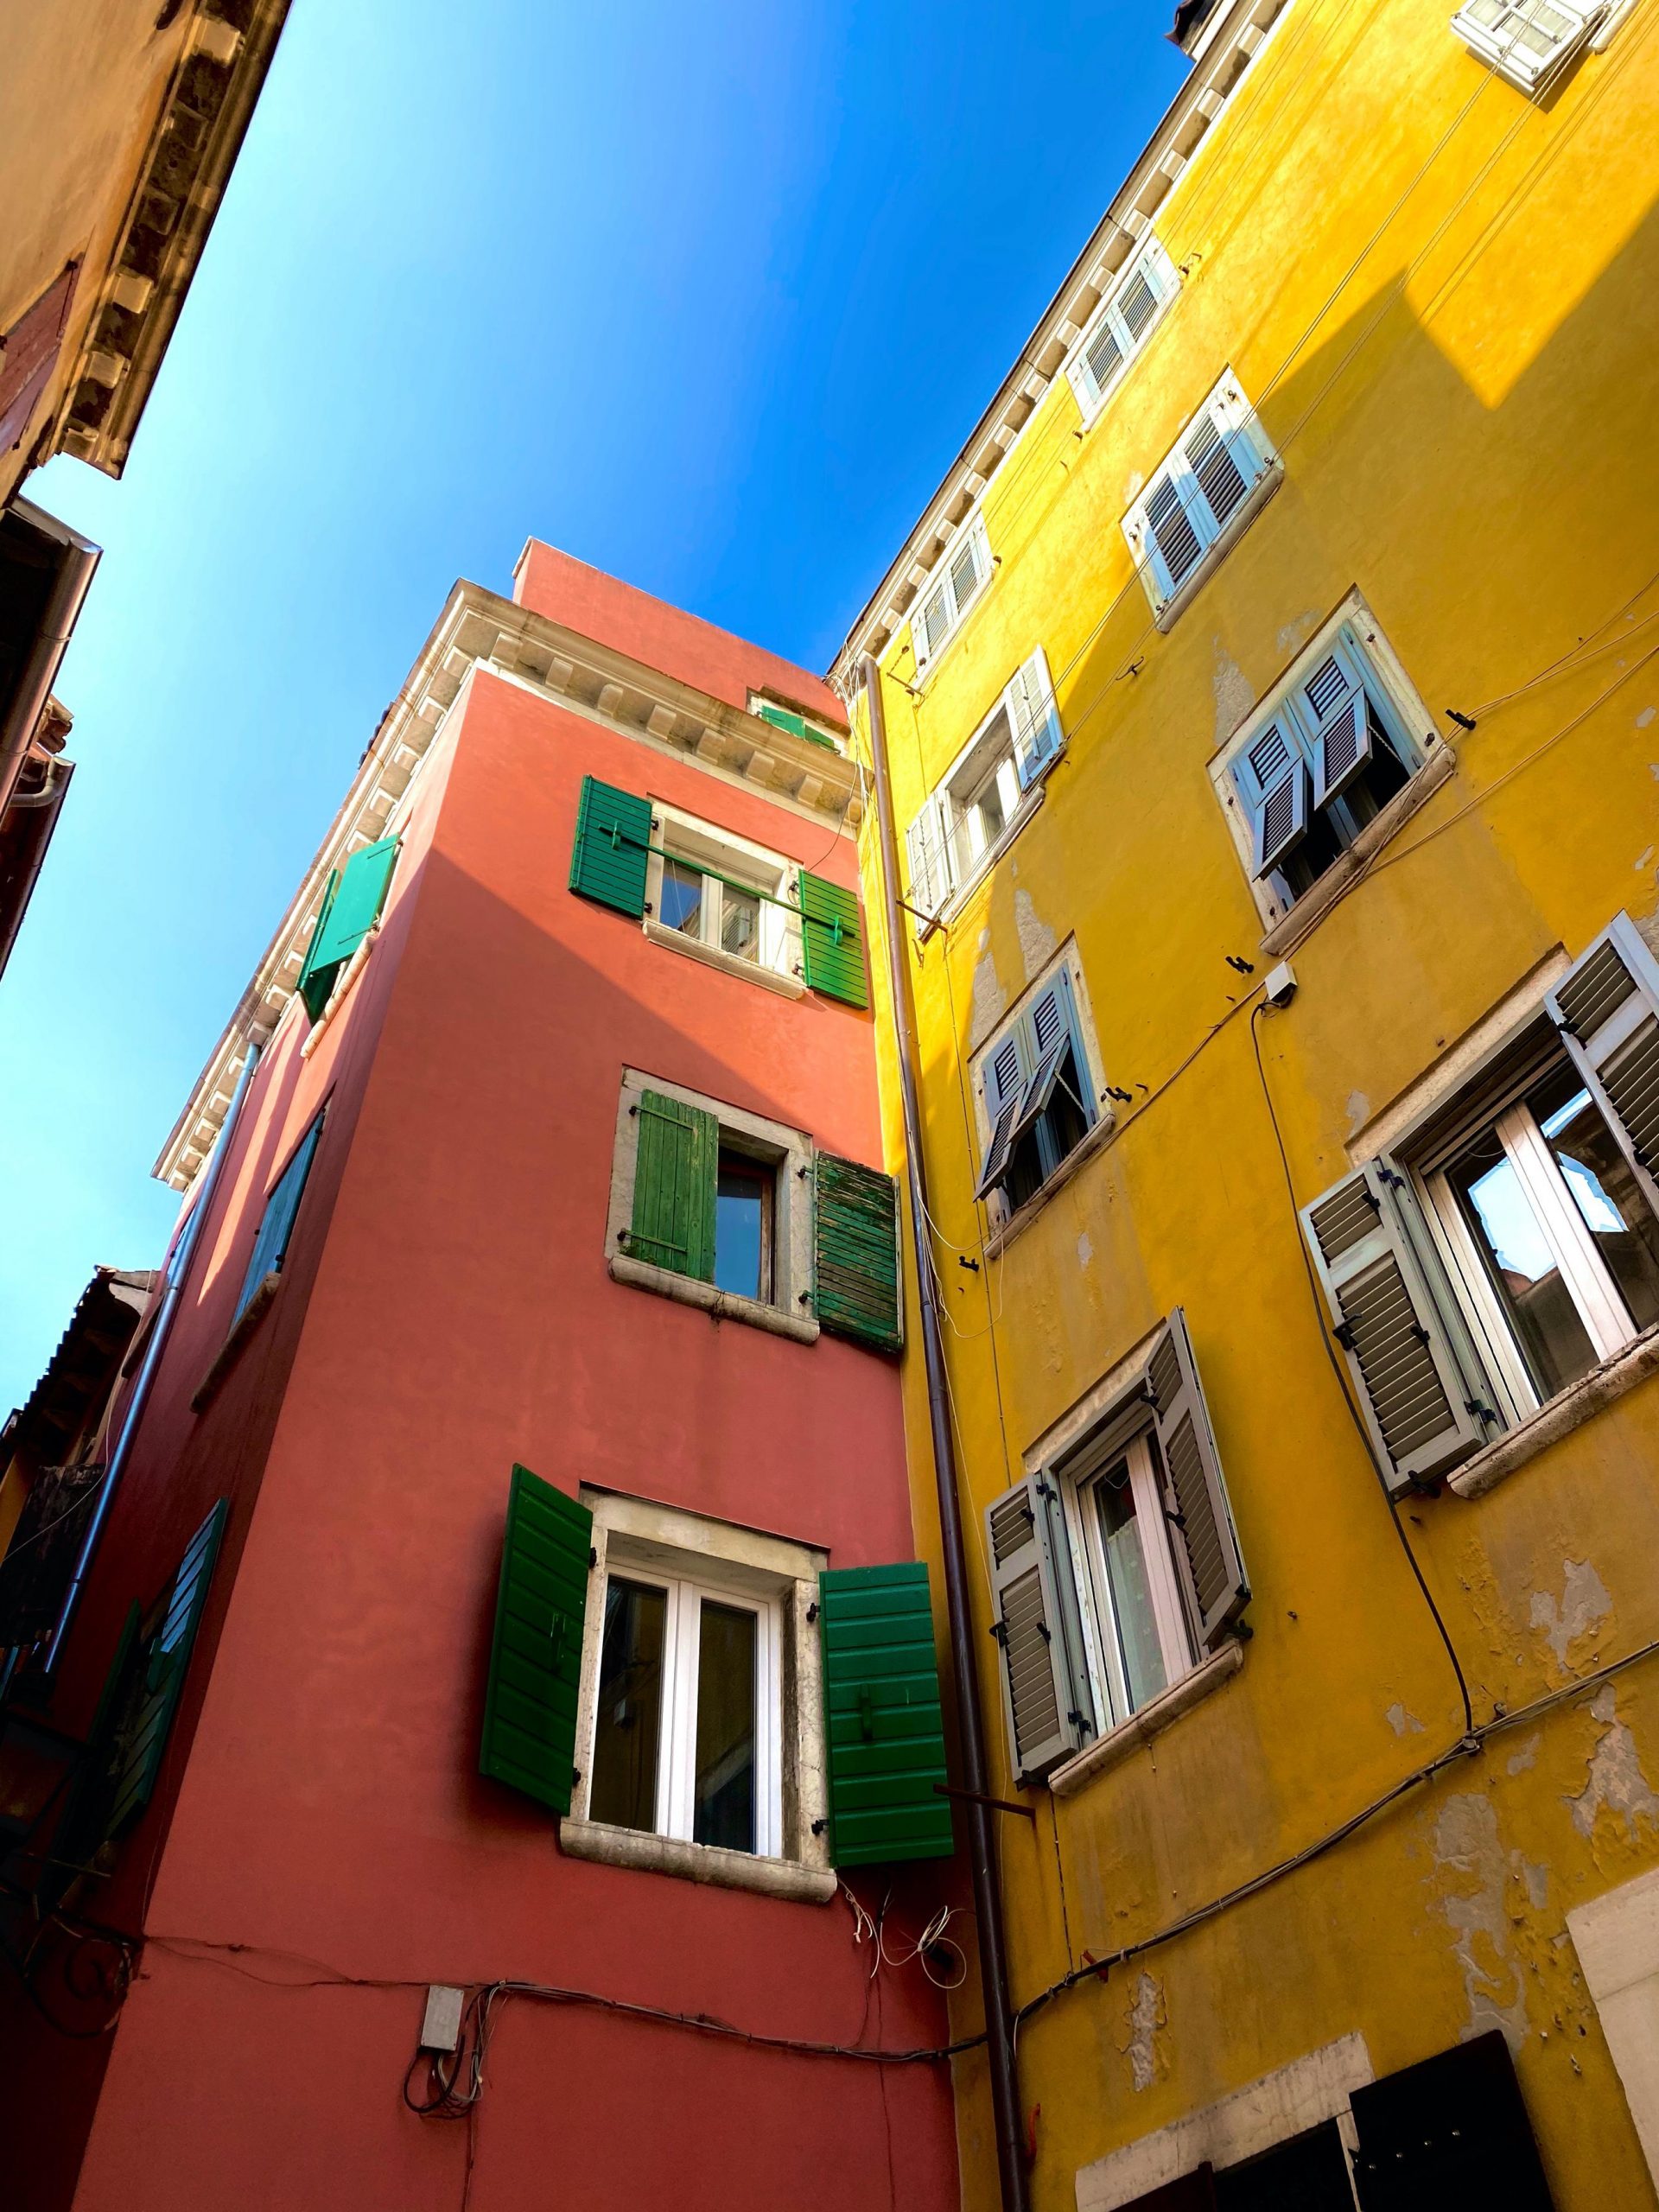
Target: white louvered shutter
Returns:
[[1044, 1722], [1035, 719], [964, 573], [1121, 322], [927, 848], [1526, 41], [1172, 540], [1208, 1562], [1223, 475], [1007, 1072], [1607, 1009], [930, 626], [1419, 1406]]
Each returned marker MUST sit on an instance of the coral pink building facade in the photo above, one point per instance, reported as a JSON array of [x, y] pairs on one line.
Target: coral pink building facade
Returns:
[[455, 1295]]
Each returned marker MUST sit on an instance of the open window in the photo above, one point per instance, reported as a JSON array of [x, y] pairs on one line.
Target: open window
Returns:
[[954, 587], [1529, 42], [1036, 1089], [709, 891], [987, 792]]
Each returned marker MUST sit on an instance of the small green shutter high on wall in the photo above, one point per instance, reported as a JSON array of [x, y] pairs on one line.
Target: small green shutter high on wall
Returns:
[[676, 1175], [316, 984], [882, 1718], [529, 1707], [165, 1659], [832, 940], [612, 835], [351, 907], [856, 1252]]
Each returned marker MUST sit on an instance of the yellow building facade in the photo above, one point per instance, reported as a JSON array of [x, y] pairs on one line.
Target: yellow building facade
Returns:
[[1271, 695]]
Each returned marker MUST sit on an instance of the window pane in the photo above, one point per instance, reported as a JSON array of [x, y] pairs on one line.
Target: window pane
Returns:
[[1603, 1188], [628, 1729], [1128, 1588], [740, 923], [1511, 1239], [681, 898], [723, 1795], [742, 1228]]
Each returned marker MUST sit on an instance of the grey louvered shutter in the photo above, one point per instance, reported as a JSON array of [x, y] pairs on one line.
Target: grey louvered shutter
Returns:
[[1207, 1561], [1215, 464], [1007, 1071], [1175, 545], [1417, 1402], [144, 1738], [1342, 743], [1040, 1697], [1607, 1009], [928, 849], [1035, 718]]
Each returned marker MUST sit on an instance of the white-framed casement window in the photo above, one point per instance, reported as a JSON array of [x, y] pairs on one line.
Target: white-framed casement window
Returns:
[[1121, 325], [1320, 759], [1508, 1245], [1199, 499], [1116, 1565], [952, 589], [987, 792], [1529, 42], [1034, 1083], [714, 895], [700, 1742]]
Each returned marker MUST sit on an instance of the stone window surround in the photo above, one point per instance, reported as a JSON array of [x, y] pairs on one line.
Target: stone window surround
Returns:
[[1005, 1225], [639, 1532], [787, 982], [792, 1153]]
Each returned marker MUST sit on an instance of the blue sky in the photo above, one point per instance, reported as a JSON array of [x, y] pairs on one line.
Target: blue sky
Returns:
[[709, 297]]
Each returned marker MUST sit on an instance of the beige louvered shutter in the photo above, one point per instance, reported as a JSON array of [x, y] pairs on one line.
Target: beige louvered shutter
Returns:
[[1045, 1721], [927, 847], [1607, 1010], [1207, 1561], [1418, 1404]]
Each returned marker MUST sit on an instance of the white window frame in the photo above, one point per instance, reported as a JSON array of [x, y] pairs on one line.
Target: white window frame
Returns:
[[1517, 65], [944, 583], [1158, 273], [1229, 414], [1102, 1635], [955, 850], [779, 963], [1086, 1046], [1351, 631]]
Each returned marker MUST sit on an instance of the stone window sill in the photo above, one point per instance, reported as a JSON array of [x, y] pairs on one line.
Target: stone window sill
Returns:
[[748, 971], [340, 993], [724, 1305], [1313, 906], [1018, 1222], [952, 909], [1599, 1387], [696, 1862], [231, 1351], [1121, 1743], [1216, 552]]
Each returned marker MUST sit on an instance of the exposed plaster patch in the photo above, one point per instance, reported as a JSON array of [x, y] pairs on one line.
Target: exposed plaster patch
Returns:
[[1643, 719], [1402, 1722], [1585, 1605], [1359, 1111], [1616, 1784], [1467, 1848], [991, 1000], [1085, 1250], [1295, 635], [1537, 1878], [1527, 1757], [1038, 942], [1233, 697], [1146, 2017], [1642, 860]]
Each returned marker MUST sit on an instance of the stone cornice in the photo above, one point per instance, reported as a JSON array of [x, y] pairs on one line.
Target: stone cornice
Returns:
[[1229, 43], [182, 179], [478, 629]]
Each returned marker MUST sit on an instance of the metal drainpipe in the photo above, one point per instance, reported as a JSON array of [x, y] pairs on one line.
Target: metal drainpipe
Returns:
[[987, 1897], [177, 1272]]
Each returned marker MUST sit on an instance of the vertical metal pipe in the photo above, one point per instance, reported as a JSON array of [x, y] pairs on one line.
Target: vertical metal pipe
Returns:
[[988, 1896]]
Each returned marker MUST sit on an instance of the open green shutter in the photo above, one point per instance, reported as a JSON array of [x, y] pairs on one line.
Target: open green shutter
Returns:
[[882, 1717], [317, 982], [165, 1662], [675, 1173], [355, 908], [832, 940], [530, 1709], [856, 1252], [613, 835]]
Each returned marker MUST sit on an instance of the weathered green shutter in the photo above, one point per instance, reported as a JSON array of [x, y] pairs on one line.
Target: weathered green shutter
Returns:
[[612, 835], [882, 1717], [530, 1709], [676, 1174], [832, 940], [856, 1252], [84, 1822], [316, 984], [165, 1661]]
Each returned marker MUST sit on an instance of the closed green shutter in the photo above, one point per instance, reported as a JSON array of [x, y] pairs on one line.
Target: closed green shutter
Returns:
[[882, 1717], [530, 1709], [797, 725], [85, 1824], [856, 1252], [832, 940], [316, 984], [676, 1174], [612, 835], [166, 1659]]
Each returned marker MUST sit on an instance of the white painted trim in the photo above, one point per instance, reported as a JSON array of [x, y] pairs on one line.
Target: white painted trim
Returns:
[[1286, 2102], [1130, 1736], [1616, 1938], [706, 846], [1564, 1412]]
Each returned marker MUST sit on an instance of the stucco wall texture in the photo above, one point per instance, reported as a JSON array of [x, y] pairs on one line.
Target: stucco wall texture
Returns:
[[1441, 298]]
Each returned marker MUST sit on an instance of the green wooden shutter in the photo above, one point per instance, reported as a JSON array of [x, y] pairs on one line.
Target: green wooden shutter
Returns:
[[529, 1707], [316, 984], [856, 1252], [882, 1717], [355, 908], [832, 940], [166, 1660], [676, 1174], [612, 835], [84, 1823]]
